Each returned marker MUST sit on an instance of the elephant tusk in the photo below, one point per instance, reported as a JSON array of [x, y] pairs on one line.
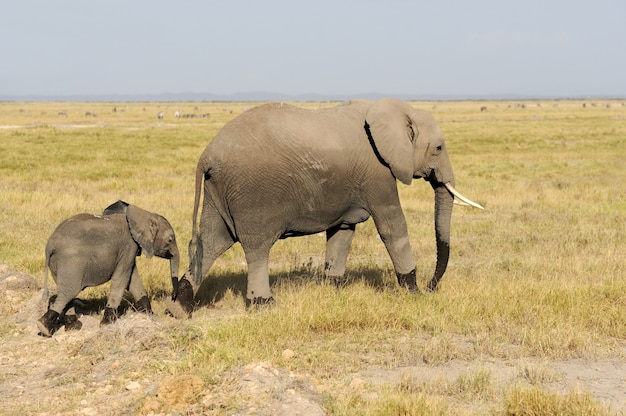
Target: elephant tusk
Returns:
[[465, 201]]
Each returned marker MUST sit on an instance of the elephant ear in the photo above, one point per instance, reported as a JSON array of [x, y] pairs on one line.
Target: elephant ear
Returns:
[[118, 207], [143, 227], [393, 132]]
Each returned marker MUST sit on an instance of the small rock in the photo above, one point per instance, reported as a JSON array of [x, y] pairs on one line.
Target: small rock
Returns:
[[288, 354], [133, 385]]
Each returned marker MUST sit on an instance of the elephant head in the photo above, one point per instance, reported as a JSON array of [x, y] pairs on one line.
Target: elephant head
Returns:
[[153, 233], [411, 143]]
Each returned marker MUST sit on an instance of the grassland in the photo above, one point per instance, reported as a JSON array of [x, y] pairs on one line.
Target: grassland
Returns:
[[535, 281]]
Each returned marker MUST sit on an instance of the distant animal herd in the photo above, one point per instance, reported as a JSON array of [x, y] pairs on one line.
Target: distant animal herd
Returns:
[[483, 108]]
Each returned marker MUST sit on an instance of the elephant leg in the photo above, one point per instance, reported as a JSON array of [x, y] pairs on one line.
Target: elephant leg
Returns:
[[258, 291], [120, 280], [394, 234], [70, 319], [135, 287], [338, 242], [48, 323], [68, 287]]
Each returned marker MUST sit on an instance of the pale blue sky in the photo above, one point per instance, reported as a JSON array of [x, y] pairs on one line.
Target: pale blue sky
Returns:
[[557, 48]]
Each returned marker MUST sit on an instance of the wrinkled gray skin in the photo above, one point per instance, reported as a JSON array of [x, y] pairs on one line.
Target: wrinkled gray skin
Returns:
[[88, 250], [278, 171]]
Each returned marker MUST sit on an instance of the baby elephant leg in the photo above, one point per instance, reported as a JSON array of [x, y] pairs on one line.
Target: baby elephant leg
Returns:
[[70, 319], [119, 282], [135, 287], [49, 323], [67, 289]]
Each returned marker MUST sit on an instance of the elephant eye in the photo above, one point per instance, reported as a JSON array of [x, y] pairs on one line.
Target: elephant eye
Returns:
[[439, 148]]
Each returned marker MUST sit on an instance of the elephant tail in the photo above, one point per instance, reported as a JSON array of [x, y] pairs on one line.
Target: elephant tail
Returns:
[[200, 173], [195, 245]]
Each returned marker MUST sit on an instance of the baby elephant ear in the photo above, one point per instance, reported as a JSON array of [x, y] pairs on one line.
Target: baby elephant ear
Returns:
[[143, 227], [392, 131], [118, 207]]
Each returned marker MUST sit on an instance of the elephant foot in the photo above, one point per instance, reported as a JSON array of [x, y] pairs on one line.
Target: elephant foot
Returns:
[[143, 305], [110, 316], [48, 323], [72, 323], [408, 281], [183, 306], [337, 281], [259, 302]]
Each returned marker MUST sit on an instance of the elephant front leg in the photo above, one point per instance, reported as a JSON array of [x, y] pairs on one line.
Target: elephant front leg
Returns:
[[135, 287], [395, 236], [408, 280], [258, 291], [338, 242], [402, 260], [119, 282]]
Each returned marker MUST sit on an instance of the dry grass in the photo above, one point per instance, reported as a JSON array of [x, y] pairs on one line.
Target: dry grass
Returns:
[[538, 275]]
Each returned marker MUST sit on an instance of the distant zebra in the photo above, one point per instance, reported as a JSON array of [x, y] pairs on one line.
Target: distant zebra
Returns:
[[160, 115], [177, 114]]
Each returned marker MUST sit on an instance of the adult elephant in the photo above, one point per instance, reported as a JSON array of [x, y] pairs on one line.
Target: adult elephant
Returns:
[[279, 171]]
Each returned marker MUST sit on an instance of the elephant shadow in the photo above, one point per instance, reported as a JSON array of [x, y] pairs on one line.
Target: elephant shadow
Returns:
[[215, 287], [95, 306]]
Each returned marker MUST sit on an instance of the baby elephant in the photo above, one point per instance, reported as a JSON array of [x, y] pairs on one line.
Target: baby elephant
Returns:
[[88, 250]]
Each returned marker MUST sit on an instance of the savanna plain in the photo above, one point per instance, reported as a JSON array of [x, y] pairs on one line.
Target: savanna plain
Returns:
[[529, 319]]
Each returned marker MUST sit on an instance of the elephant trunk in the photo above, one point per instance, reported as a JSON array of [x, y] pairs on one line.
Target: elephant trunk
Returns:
[[174, 263], [443, 214]]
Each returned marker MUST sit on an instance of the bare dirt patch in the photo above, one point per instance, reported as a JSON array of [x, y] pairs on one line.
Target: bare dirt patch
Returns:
[[116, 370]]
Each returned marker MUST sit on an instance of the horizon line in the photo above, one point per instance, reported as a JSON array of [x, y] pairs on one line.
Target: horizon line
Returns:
[[257, 96]]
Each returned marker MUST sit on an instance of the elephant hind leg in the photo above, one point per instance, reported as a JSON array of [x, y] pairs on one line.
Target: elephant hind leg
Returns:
[[52, 320], [72, 323], [49, 323], [258, 290], [338, 242], [68, 287], [69, 317]]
